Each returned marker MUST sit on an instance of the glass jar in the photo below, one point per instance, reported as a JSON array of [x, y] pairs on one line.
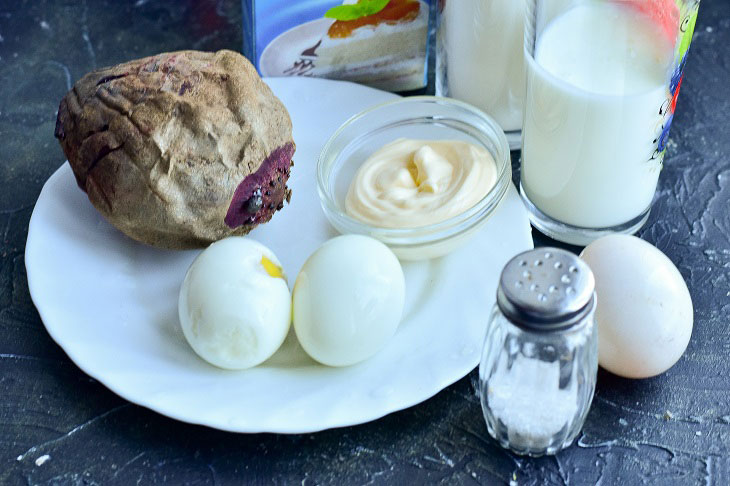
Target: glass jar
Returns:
[[480, 58], [538, 367]]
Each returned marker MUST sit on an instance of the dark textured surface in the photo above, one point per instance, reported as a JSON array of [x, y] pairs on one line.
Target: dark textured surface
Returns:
[[673, 429]]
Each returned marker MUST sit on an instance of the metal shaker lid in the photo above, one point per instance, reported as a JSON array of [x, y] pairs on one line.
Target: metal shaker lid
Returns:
[[546, 289]]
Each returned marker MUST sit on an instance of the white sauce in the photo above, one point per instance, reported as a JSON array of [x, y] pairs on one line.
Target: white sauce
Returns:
[[412, 183]]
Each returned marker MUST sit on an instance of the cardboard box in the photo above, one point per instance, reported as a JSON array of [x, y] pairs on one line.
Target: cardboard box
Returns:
[[386, 49]]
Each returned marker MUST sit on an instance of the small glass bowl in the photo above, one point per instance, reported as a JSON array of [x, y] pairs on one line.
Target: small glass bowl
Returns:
[[419, 117]]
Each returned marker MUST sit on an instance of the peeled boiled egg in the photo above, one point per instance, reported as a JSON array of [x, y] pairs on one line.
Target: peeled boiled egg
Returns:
[[644, 312], [235, 305], [348, 300]]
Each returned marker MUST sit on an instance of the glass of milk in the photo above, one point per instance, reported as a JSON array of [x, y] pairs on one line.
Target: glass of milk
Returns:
[[602, 83], [480, 58]]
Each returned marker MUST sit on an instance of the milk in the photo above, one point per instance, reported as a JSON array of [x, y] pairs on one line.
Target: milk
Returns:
[[484, 60], [596, 88]]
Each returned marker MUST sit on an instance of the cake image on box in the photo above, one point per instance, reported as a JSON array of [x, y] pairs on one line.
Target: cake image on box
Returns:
[[380, 43], [385, 50]]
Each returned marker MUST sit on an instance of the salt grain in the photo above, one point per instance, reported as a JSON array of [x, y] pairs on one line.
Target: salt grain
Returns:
[[527, 399]]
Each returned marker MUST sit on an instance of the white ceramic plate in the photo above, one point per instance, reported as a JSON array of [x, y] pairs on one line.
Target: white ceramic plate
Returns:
[[111, 303]]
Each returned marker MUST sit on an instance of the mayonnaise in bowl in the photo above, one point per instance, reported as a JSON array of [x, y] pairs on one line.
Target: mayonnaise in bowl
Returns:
[[421, 174], [410, 183]]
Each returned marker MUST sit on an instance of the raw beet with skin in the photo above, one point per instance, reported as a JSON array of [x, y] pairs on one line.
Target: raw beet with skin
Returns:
[[180, 149]]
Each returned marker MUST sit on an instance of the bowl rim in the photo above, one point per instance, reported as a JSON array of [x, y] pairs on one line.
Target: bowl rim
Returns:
[[434, 231]]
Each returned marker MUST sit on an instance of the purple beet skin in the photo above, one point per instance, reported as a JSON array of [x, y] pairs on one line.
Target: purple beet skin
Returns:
[[262, 193]]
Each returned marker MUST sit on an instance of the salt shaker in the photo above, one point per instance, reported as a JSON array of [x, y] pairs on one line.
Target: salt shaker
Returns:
[[538, 368]]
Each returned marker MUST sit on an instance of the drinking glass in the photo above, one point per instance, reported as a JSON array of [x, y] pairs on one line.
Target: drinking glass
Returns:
[[602, 83], [480, 60]]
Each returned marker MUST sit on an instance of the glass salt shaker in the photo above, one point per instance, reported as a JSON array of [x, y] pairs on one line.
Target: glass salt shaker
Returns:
[[538, 368]]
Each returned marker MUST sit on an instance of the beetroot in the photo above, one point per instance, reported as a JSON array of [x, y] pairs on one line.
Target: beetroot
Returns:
[[180, 149]]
